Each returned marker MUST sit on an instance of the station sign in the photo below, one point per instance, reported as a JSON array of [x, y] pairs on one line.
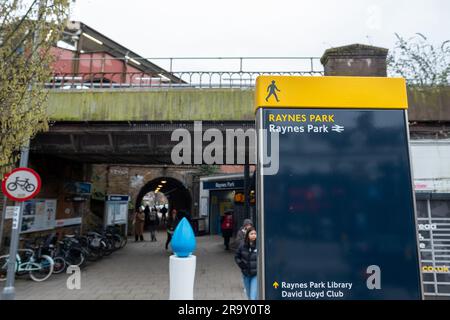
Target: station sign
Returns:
[[117, 198], [226, 184], [336, 203]]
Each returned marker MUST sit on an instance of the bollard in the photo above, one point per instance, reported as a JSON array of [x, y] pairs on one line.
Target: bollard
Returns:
[[182, 264]]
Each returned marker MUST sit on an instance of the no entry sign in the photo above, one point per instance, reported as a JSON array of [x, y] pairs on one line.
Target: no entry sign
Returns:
[[335, 204], [21, 184]]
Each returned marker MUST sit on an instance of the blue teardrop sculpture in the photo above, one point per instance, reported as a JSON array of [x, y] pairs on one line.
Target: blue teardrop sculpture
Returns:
[[183, 240]]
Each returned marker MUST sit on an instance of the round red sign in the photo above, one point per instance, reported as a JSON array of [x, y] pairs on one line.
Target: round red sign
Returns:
[[21, 184]]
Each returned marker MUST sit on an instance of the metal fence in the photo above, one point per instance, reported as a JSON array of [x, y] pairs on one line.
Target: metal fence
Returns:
[[433, 221], [240, 72]]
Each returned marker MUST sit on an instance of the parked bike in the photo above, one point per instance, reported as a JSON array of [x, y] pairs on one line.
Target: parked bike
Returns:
[[29, 261], [51, 249], [47, 255]]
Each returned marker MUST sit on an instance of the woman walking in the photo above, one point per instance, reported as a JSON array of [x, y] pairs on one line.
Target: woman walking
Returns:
[[246, 258], [138, 221], [172, 222]]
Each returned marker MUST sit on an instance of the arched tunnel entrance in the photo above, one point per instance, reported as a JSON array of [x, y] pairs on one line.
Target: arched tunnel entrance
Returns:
[[178, 196]]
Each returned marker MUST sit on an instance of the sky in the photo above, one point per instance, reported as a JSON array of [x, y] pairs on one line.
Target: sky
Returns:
[[261, 28]]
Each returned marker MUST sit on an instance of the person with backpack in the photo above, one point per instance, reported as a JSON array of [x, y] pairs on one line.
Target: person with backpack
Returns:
[[153, 223], [227, 228]]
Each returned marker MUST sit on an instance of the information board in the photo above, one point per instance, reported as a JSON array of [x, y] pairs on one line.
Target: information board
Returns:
[[337, 217], [116, 209], [38, 215]]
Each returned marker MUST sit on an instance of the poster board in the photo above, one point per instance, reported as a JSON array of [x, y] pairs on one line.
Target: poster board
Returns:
[[117, 213], [38, 215], [204, 212], [116, 209]]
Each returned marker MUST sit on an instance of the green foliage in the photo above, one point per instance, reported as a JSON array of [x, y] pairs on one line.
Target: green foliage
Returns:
[[28, 31], [420, 62], [206, 170]]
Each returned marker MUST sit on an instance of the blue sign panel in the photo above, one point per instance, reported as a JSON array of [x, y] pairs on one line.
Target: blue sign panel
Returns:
[[117, 198], [224, 184], [78, 187], [338, 216]]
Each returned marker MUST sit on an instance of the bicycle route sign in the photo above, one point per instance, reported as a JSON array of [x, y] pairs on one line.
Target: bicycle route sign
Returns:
[[21, 184]]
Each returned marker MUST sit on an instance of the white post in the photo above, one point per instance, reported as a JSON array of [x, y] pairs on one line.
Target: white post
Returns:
[[182, 276], [182, 264]]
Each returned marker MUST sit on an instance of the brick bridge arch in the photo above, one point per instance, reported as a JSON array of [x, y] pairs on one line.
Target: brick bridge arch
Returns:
[[178, 195]]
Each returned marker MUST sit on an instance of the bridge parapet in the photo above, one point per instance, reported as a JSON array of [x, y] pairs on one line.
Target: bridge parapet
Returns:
[[151, 105], [425, 104]]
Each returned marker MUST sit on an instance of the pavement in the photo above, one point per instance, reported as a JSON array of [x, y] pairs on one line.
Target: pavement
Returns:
[[140, 271]]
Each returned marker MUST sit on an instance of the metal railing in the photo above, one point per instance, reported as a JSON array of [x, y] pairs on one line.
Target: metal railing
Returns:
[[218, 72]]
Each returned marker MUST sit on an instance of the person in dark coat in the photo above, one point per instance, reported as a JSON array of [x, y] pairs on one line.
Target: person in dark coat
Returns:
[[147, 216], [247, 259], [172, 222], [163, 214], [240, 237], [153, 222]]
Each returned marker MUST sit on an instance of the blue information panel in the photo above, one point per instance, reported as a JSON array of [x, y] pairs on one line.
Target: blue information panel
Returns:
[[338, 217]]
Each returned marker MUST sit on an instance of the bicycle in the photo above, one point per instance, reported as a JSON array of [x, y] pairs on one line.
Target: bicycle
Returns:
[[120, 241], [23, 184], [39, 267], [100, 242], [49, 248], [73, 251]]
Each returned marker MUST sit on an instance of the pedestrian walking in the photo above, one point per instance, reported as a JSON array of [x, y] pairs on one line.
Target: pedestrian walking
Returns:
[[172, 222], [227, 228], [138, 222], [153, 223], [246, 258], [147, 217], [240, 237], [163, 214]]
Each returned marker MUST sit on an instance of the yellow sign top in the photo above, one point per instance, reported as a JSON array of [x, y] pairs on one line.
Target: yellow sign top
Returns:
[[331, 92]]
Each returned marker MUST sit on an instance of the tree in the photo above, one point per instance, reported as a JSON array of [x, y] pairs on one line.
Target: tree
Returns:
[[28, 31], [420, 62]]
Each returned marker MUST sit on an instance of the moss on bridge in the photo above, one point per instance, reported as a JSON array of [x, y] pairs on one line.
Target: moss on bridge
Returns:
[[425, 104], [151, 105]]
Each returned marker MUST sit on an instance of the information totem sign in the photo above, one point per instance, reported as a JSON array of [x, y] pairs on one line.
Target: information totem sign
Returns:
[[116, 212], [336, 210]]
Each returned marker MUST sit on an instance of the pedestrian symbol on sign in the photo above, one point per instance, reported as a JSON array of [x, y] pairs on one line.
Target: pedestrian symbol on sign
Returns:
[[272, 88]]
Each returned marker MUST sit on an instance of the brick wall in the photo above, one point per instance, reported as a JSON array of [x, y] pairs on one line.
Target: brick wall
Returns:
[[355, 60]]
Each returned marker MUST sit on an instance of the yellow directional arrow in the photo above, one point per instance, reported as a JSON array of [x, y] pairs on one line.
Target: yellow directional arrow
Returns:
[[276, 285]]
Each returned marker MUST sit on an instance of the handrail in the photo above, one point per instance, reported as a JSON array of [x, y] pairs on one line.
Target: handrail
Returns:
[[225, 76]]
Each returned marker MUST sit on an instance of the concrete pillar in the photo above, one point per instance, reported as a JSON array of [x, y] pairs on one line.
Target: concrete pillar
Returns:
[[355, 60]]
